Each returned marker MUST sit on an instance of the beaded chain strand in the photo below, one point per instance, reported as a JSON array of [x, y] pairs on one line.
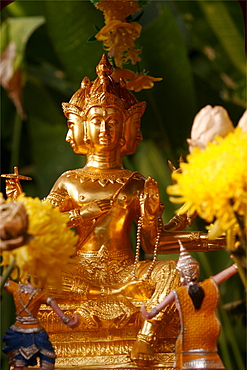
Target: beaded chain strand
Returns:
[[138, 247]]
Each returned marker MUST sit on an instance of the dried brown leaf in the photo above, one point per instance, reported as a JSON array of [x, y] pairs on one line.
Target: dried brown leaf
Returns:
[[12, 80]]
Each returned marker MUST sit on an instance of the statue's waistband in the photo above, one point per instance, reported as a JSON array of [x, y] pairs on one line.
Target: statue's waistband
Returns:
[[105, 254]]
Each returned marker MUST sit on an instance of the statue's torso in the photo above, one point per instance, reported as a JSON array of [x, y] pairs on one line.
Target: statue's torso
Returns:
[[104, 241]]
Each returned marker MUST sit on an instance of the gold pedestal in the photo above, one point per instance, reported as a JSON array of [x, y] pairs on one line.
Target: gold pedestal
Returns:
[[106, 347]]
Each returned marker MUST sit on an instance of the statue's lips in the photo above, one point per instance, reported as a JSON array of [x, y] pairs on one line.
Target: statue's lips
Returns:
[[104, 140]]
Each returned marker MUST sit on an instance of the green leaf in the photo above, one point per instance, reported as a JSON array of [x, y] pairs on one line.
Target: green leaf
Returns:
[[143, 2], [92, 39], [69, 28], [94, 2], [50, 153], [155, 164], [226, 30], [20, 29], [136, 18], [97, 29], [171, 102]]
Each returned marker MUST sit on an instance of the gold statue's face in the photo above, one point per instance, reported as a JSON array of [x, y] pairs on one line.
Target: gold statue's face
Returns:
[[104, 128], [133, 133], [75, 134]]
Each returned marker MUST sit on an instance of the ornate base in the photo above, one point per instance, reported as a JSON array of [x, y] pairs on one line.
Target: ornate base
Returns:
[[105, 347], [115, 362], [121, 362]]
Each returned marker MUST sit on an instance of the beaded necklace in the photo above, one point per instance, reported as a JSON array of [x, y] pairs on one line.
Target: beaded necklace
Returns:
[[138, 247]]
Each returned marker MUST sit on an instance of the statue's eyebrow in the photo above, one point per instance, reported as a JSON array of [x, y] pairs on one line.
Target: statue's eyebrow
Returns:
[[93, 115], [70, 123]]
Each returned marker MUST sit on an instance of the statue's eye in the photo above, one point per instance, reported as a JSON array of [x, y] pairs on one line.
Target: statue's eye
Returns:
[[112, 122], [96, 121], [70, 124]]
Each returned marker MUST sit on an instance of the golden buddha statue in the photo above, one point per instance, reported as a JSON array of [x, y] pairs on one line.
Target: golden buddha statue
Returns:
[[104, 200]]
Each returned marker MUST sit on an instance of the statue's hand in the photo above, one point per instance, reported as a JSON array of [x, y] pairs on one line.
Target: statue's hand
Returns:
[[104, 204], [89, 212], [150, 199], [96, 209], [180, 221], [13, 188], [73, 323], [134, 289]]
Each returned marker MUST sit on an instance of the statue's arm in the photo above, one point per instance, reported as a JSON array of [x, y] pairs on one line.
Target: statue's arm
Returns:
[[180, 221], [59, 195], [151, 211], [194, 241], [63, 194]]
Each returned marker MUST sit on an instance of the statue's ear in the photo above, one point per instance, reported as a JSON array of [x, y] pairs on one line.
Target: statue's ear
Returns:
[[86, 139], [122, 141]]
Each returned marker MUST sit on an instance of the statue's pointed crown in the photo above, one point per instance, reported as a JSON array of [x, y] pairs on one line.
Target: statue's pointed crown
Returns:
[[104, 91], [187, 266]]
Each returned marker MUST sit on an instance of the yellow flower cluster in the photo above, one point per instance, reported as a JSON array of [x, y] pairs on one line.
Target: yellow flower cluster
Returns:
[[119, 40], [135, 81], [117, 9], [213, 183], [50, 251], [119, 36]]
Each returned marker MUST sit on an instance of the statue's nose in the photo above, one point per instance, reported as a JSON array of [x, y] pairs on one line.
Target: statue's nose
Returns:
[[68, 136], [103, 126]]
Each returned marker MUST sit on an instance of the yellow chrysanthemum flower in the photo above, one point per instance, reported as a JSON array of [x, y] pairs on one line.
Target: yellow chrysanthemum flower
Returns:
[[119, 40], [50, 251], [214, 183]]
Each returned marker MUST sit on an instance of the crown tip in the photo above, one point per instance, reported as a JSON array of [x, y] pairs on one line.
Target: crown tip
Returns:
[[182, 248], [104, 67]]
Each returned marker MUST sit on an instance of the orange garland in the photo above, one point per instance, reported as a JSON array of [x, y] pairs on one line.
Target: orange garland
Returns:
[[119, 36]]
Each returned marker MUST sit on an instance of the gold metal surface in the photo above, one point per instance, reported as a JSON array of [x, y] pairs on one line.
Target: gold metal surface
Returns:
[[104, 200], [13, 187]]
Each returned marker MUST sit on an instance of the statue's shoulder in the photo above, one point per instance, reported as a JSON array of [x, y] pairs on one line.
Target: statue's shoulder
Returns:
[[61, 185], [138, 179], [68, 176], [135, 182], [122, 177], [70, 173], [138, 176], [127, 176]]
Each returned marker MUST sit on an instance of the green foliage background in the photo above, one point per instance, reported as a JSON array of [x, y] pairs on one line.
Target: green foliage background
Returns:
[[197, 47]]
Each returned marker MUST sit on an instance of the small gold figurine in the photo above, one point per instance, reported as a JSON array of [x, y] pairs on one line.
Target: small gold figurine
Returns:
[[196, 346], [104, 200]]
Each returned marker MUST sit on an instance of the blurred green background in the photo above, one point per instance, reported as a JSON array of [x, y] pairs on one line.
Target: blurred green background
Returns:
[[197, 47]]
